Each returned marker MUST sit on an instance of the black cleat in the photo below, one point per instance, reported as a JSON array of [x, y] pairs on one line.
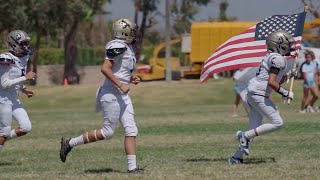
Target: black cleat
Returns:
[[136, 171], [65, 148]]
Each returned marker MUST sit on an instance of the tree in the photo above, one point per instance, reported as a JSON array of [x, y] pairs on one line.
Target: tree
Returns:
[[26, 15], [313, 7], [70, 14], [45, 17], [183, 12], [146, 8]]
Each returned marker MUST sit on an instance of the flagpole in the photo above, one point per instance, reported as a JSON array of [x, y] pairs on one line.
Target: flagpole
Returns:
[[294, 66]]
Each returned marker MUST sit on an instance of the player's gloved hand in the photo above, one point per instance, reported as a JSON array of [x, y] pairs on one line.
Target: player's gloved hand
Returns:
[[292, 73], [290, 95]]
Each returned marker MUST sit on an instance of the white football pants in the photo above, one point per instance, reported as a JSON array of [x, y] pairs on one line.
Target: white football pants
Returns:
[[262, 107], [116, 107], [16, 111], [21, 117], [5, 119]]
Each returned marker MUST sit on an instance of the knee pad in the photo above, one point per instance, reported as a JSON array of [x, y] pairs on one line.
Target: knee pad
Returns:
[[5, 131], [26, 127], [278, 123], [107, 133], [131, 131]]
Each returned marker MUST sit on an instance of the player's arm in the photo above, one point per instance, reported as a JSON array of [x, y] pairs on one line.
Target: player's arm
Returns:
[[272, 82], [6, 82], [107, 72], [106, 68], [284, 79]]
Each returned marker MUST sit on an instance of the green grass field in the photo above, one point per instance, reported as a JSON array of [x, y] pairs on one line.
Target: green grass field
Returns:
[[185, 132]]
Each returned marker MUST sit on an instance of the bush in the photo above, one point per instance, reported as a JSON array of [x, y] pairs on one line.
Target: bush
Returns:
[[48, 56], [90, 56], [86, 56]]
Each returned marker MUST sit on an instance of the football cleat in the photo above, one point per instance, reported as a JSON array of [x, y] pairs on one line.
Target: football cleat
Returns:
[[136, 171], [234, 160], [65, 148], [244, 143]]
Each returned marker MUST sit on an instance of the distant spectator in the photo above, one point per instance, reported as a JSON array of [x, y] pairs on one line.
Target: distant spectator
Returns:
[[309, 74]]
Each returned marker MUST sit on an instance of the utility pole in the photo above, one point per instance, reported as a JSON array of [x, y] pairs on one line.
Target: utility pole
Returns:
[[168, 38]]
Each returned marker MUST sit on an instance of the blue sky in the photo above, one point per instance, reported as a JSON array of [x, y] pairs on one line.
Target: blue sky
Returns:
[[244, 10]]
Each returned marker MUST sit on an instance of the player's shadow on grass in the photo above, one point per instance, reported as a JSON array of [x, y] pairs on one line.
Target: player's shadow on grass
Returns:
[[6, 163], [260, 160], [104, 170]]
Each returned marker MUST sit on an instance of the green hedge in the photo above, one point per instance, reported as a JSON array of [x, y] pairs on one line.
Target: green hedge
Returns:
[[49, 56], [86, 56]]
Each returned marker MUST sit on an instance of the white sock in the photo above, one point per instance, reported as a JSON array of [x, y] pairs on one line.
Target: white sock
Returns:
[[260, 130], [12, 134], [1, 146], [132, 162], [76, 141]]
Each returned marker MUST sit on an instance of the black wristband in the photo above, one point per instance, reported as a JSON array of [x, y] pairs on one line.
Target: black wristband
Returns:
[[283, 91]]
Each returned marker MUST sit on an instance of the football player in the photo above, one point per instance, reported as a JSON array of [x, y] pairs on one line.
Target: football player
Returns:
[[270, 75], [13, 65], [112, 98]]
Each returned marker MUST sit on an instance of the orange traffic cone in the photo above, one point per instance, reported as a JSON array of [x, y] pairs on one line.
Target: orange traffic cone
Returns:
[[65, 82]]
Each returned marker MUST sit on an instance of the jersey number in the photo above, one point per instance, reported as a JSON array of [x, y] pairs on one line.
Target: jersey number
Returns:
[[258, 71], [23, 72]]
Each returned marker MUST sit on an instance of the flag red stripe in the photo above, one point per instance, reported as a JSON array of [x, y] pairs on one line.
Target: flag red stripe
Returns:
[[249, 55], [228, 68], [248, 31], [298, 43], [236, 49], [238, 41]]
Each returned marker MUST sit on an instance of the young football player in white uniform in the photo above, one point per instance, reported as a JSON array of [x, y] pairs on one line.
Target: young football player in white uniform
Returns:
[[270, 75], [242, 78], [13, 74], [112, 97]]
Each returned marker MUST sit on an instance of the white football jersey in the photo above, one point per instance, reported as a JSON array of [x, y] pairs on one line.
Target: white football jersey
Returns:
[[12, 76], [123, 64], [259, 84]]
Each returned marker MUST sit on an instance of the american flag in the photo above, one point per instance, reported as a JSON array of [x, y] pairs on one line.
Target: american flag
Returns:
[[248, 48]]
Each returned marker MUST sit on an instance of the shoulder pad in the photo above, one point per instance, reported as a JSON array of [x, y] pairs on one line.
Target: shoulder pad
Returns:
[[115, 48], [277, 61], [115, 44], [6, 59], [115, 52]]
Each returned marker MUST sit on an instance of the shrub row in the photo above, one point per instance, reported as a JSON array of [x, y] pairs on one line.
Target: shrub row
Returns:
[[86, 56]]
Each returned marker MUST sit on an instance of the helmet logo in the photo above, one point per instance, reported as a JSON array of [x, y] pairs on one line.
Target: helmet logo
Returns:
[[124, 24], [18, 37]]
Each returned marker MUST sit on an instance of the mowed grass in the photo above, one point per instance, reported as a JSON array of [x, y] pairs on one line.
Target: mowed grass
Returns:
[[185, 132]]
